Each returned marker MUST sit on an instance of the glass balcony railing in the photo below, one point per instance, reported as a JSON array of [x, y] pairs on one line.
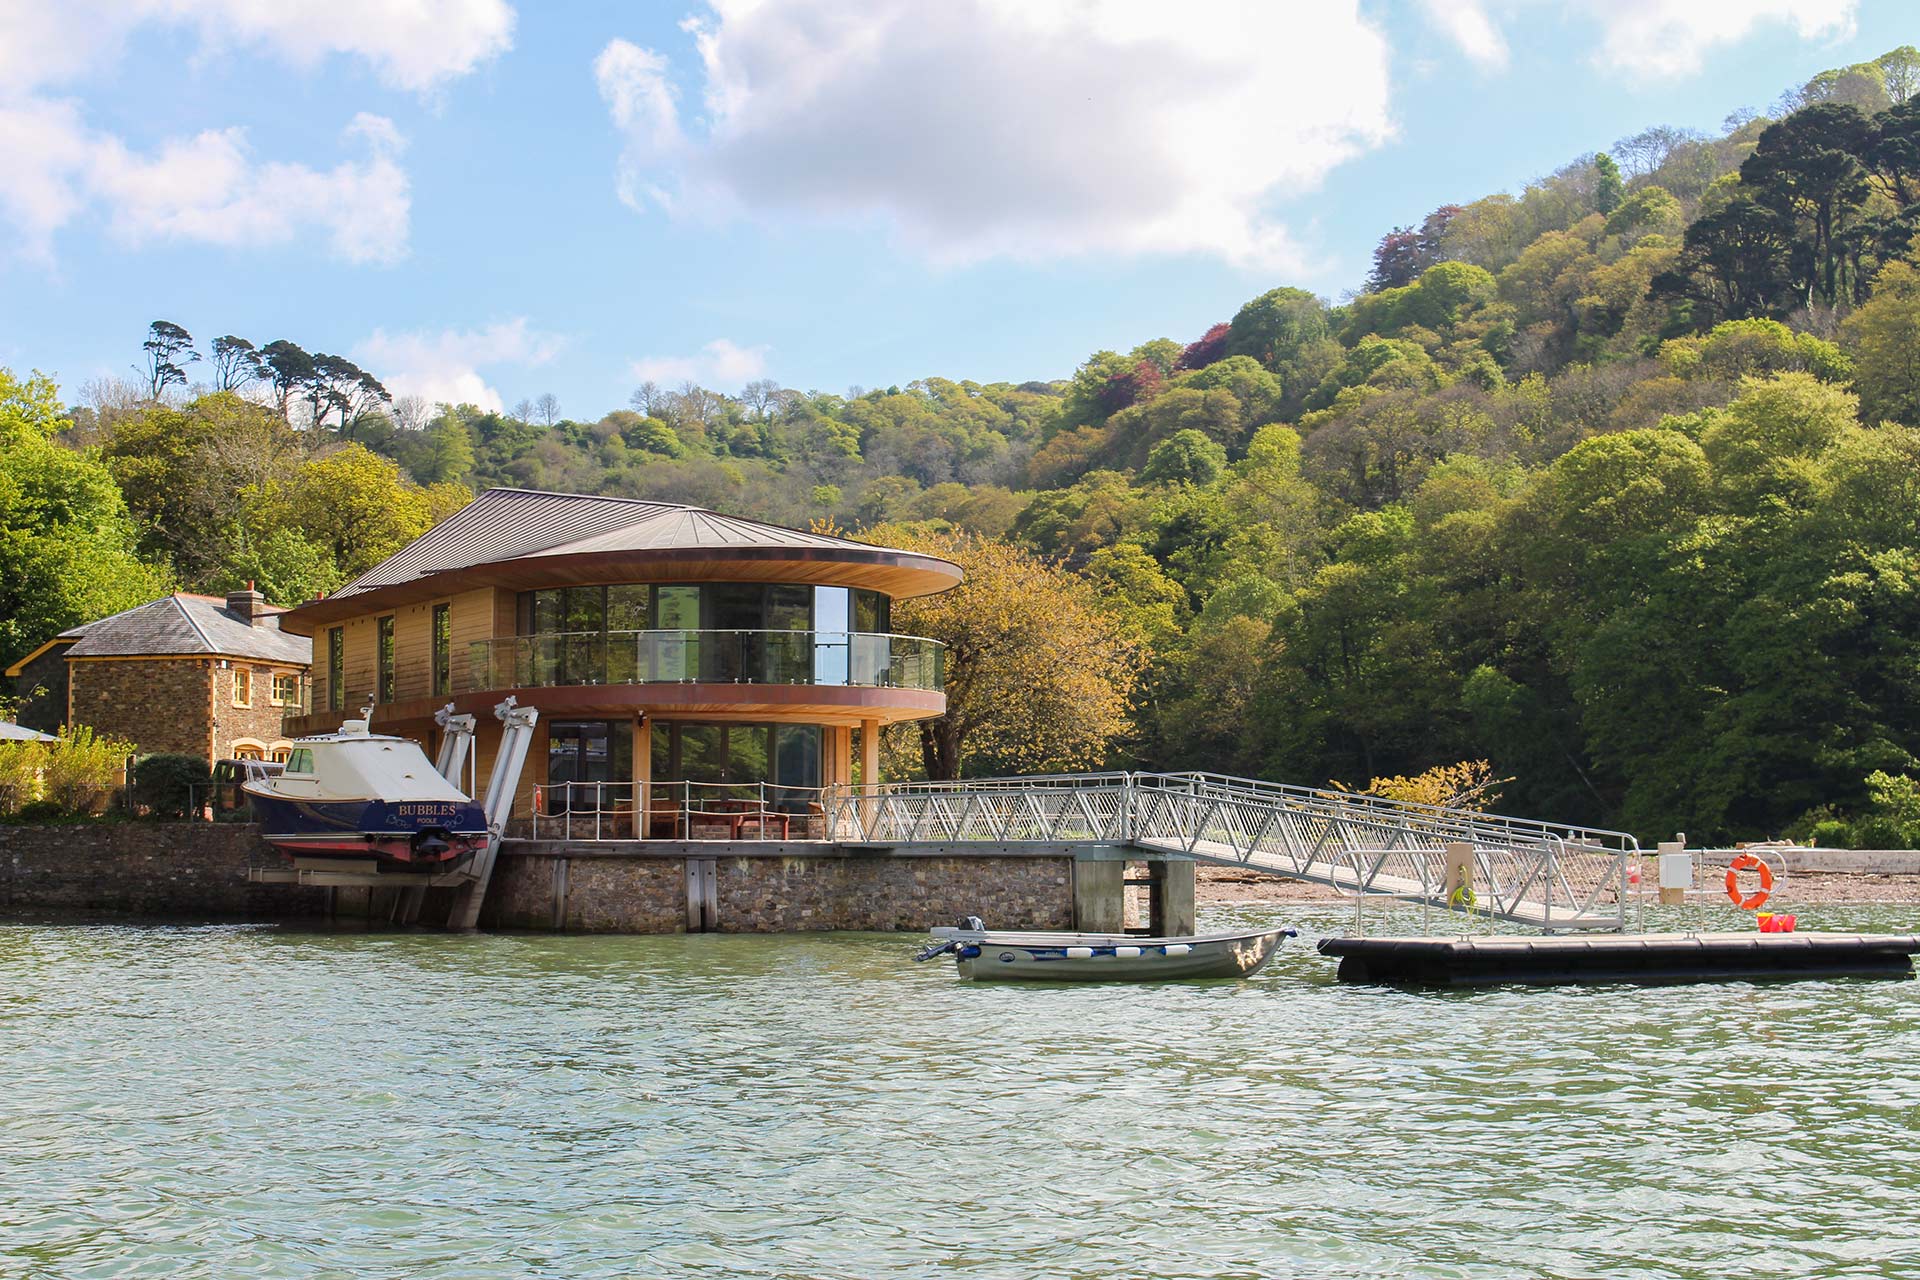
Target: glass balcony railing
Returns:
[[707, 657]]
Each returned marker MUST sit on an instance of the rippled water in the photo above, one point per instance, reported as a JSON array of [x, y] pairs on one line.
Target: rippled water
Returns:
[[239, 1101]]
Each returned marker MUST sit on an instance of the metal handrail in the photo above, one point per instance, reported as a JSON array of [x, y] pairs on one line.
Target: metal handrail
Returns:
[[631, 810]]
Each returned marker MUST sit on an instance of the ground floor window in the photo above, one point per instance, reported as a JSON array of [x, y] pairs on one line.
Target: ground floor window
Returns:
[[782, 755]]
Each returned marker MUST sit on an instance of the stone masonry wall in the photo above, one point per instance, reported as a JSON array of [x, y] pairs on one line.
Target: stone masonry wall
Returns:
[[154, 869], [263, 721], [646, 893], [159, 705]]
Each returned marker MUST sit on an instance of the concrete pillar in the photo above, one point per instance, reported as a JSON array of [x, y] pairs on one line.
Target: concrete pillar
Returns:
[[1176, 898], [1099, 896]]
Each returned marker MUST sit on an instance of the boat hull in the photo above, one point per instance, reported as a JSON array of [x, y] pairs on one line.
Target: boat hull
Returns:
[[414, 833], [1090, 957]]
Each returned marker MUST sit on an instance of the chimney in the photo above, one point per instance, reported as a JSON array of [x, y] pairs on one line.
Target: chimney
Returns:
[[249, 604]]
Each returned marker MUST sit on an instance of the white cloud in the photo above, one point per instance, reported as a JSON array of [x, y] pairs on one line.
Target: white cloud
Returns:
[[978, 128], [416, 45], [210, 187], [721, 363], [206, 189], [444, 367], [1471, 29], [1644, 39]]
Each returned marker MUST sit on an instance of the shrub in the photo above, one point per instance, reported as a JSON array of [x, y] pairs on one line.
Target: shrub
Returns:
[[21, 764], [82, 768], [1832, 833], [165, 785]]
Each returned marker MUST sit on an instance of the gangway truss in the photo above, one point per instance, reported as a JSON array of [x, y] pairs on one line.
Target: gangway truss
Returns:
[[1552, 877]]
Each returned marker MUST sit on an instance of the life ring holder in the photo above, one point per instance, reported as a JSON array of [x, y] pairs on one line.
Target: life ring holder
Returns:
[[1757, 899]]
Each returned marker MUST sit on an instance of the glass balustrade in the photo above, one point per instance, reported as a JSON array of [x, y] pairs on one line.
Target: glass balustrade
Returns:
[[707, 657]]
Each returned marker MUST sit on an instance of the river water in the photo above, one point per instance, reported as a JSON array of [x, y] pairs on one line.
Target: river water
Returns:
[[229, 1101]]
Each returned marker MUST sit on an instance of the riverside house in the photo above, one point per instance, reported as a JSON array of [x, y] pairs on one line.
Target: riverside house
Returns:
[[199, 675], [687, 665]]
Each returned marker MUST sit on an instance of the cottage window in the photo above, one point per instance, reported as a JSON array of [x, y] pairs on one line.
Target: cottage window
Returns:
[[386, 659], [243, 686], [286, 688]]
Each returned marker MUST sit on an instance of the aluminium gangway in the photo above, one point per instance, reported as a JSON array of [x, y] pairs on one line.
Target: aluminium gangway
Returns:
[[1552, 877]]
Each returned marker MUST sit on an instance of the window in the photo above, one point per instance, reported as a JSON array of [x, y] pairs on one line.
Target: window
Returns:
[[300, 761], [386, 659], [442, 650], [243, 686], [336, 669], [279, 754], [286, 688]]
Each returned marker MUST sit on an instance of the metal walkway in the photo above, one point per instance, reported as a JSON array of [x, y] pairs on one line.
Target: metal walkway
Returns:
[[1532, 873]]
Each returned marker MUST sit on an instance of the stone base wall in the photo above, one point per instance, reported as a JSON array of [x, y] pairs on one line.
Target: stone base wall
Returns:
[[163, 870], [595, 892]]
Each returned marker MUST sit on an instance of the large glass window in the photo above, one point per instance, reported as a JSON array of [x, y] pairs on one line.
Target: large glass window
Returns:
[[336, 669], [583, 752], [722, 632], [786, 755], [386, 658], [832, 619]]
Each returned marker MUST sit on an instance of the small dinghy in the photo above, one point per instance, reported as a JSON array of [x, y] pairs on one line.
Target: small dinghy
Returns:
[[984, 955], [355, 794]]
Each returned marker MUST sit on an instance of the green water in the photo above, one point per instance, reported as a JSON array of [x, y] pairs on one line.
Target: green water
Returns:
[[271, 1102]]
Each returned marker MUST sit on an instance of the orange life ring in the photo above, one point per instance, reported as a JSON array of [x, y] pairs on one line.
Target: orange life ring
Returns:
[[1753, 901]]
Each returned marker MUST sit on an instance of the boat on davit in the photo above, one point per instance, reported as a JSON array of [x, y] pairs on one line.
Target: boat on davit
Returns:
[[357, 794]]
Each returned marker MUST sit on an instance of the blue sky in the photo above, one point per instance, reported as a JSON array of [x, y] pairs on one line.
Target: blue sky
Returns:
[[488, 200]]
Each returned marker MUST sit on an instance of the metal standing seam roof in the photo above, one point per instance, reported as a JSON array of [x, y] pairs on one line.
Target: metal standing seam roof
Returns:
[[184, 624], [513, 524]]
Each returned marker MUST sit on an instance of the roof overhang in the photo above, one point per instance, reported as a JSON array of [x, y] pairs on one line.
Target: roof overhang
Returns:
[[899, 574], [13, 672]]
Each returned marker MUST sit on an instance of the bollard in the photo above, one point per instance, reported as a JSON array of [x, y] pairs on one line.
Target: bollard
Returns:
[[1676, 872]]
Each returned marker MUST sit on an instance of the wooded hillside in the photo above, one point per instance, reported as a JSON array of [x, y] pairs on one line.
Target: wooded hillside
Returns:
[[1614, 482]]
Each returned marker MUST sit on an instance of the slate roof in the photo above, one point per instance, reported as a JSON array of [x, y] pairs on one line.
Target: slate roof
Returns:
[[184, 624], [512, 524]]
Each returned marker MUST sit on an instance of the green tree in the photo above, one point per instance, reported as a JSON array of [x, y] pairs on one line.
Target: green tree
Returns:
[[1884, 337], [1184, 458], [66, 541], [1608, 190]]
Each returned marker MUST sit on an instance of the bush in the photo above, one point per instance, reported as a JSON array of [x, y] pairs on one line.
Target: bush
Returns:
[[1832, 833], [21, 764], [39, 811], [82, 769], [166, 786]]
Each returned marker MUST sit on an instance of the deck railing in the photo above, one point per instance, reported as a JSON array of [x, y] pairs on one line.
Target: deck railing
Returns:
[[597, 811], [865, 659]]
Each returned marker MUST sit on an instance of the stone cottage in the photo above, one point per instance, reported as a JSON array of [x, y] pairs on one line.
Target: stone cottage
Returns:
[[200, 675]]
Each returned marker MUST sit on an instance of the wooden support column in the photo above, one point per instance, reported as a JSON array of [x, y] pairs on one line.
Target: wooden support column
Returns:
[[869, 753], [642, 773]]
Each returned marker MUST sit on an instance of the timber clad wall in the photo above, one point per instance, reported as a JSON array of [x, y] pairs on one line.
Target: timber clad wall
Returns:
[[474, 615], [160, 704]]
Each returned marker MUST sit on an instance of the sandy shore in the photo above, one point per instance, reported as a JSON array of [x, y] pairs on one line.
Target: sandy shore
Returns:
[[1224, 886]]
